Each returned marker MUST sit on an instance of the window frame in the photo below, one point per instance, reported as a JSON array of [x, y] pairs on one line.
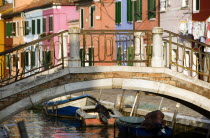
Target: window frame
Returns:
[[90, 15], [82, 18], [195, 10], [44, 25], [51, 16]]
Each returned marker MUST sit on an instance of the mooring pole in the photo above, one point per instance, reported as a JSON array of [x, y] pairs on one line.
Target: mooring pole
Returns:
[[121, 100], [134, 104], [174, 117], [100, 95], [137, 105], [22, 129]]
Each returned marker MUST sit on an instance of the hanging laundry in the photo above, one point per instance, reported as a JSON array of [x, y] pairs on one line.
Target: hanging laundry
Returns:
[[183, 27], [189, 26]]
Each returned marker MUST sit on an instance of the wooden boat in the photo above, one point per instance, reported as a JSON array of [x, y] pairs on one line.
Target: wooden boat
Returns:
[[90, 116], [131, 126], [68, 107]]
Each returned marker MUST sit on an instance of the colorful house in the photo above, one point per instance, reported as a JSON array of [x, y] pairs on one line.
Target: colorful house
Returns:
[[97, 15], [4, 8]]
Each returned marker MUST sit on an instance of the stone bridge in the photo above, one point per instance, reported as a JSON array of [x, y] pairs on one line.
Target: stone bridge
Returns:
[[159, 78], [34, 90]]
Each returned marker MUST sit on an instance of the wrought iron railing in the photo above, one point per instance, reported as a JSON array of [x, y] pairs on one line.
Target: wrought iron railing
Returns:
[[32, 58], [186, 55], [115, 47]]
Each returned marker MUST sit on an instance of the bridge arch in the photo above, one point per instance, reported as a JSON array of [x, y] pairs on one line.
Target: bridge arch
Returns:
[[191, 99]]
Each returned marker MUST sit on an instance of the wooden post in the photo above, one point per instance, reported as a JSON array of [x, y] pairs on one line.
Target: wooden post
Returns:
[[100, 95], [134, 103], [121, 100], [137, 105], [174, 117], [22, 129]]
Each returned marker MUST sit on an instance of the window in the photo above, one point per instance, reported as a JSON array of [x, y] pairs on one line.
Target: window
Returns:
[[33, 58], [8, 59], [8, 29], [138, 10], [196, 5], [151, 9], [26, 28], [129, 11], [50, 23], [44, 25], [15, 28], [92, 9], [33, 27], [81, 18], [118, 12], [38, 26], [91, 56], [81, 52]]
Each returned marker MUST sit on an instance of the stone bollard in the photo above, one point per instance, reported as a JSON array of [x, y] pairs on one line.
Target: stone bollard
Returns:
[[157, 52], [139, 49], [74, 60]]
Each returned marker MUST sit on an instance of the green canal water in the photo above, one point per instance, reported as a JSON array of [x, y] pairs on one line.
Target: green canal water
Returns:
[[41, 126]]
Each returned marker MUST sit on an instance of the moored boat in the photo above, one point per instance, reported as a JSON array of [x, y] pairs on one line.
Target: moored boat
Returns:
[[98, 115], [151, 125], [68, 107]]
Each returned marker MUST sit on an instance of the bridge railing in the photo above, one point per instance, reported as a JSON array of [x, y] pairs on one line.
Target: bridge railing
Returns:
[[32, 58], [115, 47], [185, 55]]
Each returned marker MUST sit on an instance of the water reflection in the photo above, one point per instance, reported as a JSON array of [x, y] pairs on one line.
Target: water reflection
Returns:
[[39, 125]]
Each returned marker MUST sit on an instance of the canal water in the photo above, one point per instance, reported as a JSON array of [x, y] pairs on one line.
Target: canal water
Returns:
[[41, 126]]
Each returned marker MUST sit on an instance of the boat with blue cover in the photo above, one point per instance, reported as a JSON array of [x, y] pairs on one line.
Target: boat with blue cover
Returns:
[[132, 126], [68, 107]]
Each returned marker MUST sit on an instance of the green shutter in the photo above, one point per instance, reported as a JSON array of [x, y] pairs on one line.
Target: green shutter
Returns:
[[197, 5], [91, 56], [81, 56], [51, 23], [38, 26], [82, 18], [119, 57], [44, 25], [130, 55], [139, 10], [91, 16], [119, 12], [151, 9], [26, 59], [33, 58], [33, 27], [9, 29], [116, 12], [129, 11]]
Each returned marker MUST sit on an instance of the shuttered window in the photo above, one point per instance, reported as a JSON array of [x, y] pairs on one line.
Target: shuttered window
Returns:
[[44, 25], [14, 29], [26, 28], [130, 55], [91, 56], [38, 26], [92, 9], [118, 12], [82, 18], [151, 9], [197, 5], [119, 56], [50, 23], [138, 10], [33, 27], [26, 61], [129, 11], [22, 59], [33, 58], [9, 29], [81, 57]]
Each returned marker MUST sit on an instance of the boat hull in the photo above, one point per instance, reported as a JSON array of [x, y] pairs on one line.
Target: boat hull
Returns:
[[97, 122]]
